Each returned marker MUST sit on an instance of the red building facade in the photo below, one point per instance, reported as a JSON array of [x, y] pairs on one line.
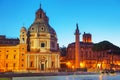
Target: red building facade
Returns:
[[89, 59]]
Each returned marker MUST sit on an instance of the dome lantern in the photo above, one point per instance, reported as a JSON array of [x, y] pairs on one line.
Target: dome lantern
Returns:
[[23, 29]]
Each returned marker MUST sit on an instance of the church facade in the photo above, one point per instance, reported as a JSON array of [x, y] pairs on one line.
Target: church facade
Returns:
[[37, 50]]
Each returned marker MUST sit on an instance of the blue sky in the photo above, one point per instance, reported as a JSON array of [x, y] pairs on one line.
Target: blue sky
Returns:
[[101, 18]]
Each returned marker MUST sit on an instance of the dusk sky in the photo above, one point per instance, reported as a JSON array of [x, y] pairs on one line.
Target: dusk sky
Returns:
[[101, 18]]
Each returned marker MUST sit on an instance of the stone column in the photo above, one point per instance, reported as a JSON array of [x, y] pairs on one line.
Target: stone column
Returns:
[[28, 60], [77, 48], [37, 62], [50, 56], [58, 61], [55, 61], [47, 61]]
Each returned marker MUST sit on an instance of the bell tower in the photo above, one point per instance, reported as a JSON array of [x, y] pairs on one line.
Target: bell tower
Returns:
[[23, 49], [77, 48], [23, 35]]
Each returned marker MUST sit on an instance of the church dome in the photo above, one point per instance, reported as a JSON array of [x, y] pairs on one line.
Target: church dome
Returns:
[[41, 37], [41, 28], [41, 23]]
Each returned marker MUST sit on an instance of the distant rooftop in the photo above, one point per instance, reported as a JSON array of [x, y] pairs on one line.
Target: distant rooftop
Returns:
[[8, 41]]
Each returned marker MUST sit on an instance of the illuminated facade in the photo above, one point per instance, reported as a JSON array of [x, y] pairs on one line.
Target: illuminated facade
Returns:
[[87, 58], [37, 51]]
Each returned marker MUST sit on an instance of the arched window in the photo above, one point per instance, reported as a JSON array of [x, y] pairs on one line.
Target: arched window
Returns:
[[23, 39], [40, 15], [42, 45]]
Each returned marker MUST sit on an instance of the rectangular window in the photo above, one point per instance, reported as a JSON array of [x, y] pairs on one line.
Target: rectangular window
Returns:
[[40, 15], [52, 64], [22, 65], [22, 54], [6, 65], [31, 64], [14, 50], [14, 56], [22, 59], [42, 45], [14, 65], [22, 48], [7, 56]]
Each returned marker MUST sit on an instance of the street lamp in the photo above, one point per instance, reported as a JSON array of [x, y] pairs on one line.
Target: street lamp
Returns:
[[99, 65], [68, 64], [82, 65]]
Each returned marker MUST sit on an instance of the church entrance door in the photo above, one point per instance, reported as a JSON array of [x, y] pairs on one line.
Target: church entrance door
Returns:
[[42, 67]]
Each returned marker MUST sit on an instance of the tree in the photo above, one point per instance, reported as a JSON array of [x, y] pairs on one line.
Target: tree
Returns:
[[63, 51], [105, 46]]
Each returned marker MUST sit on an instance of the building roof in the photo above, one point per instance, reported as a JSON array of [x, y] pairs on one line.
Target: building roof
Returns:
[[81, 44], [8, 41], [23, 29]]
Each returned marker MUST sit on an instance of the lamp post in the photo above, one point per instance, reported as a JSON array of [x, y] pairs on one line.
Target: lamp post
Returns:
[[68, 64]]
